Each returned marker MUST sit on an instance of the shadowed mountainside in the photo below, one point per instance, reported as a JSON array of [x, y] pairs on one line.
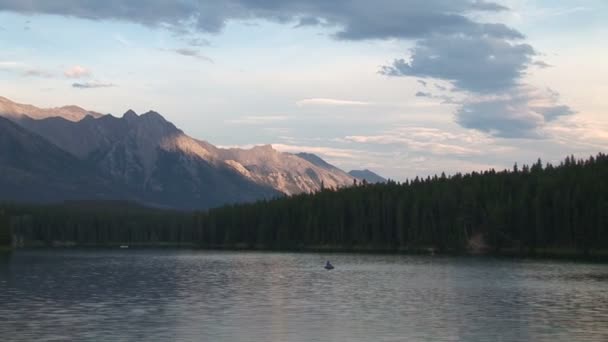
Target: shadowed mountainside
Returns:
[[32, 169], [160, 165]]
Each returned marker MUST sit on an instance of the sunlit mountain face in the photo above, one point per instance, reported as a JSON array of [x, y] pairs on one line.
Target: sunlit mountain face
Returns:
[[148, 159]]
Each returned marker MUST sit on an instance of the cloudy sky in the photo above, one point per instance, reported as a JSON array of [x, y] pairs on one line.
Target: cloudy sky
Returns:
[[403, 87]]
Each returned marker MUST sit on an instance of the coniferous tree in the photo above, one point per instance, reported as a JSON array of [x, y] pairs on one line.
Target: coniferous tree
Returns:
[[5, 232]]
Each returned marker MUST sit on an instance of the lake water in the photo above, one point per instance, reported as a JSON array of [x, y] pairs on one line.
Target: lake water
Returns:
[[163, 295]]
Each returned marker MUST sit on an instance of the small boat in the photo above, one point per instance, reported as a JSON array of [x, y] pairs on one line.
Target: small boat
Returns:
[[329, 266], [124, 246]]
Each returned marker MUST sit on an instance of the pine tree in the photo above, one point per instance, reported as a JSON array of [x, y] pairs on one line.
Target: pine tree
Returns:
[[5, 233]]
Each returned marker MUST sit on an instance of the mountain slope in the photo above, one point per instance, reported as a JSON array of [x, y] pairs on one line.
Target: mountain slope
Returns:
[[368, 176], [289, 173], [318, 161], [32, 169]]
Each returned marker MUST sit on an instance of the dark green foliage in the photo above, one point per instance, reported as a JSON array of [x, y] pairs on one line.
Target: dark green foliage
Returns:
[[5, 233], [101, 223], [522, 211], [532, 209]]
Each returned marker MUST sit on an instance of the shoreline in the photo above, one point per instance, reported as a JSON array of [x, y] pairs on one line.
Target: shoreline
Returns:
[[540, 253]]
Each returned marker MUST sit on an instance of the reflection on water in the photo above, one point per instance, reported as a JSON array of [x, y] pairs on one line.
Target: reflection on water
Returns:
[[129, 295]]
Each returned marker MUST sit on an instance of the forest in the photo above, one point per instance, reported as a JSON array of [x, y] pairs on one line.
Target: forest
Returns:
[[5, 234], [536, 209]]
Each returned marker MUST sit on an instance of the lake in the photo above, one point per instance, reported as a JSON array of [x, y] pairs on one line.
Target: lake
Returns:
[[180, 295]]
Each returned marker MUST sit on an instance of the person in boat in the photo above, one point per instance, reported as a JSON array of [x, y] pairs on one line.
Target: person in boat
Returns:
[[329, 266]]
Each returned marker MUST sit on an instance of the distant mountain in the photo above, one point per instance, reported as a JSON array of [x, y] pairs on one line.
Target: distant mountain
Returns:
[[160, 165], [13, 110], [368, 176], [286, 172]]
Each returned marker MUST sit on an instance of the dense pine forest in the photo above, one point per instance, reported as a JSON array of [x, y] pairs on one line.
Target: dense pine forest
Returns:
[[5, 235], [537, 209], [96, 223], [533, 209]]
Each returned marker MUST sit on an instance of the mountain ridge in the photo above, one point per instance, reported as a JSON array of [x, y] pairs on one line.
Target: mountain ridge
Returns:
[[14, 110], [148, 153]]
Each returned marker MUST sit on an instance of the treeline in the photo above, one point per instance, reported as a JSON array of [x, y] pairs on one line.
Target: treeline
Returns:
[[538, 208], [99, 223], [5, 233], [533, 209]]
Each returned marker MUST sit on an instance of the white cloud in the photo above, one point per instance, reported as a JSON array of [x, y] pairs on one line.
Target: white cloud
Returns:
[[330, 102], [10, 65], [428, 140], [257, 120], [77, 71], [323, 151]]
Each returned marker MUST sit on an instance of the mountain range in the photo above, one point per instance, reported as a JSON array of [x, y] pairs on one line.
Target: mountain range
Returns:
[[69, 153]]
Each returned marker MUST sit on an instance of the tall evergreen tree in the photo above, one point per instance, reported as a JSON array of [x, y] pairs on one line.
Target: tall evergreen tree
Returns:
[[5, 233]]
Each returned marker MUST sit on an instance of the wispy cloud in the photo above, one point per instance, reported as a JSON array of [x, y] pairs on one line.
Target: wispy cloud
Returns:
[[25, 69], [541, 64], [92, 85], [122, 40], [194, 53], [330, 102], [423, 94], [10, 65], [257, 120], [445, 99], [555, 11], [198, 41], [427, 140], [323, 151], [584, 135], [38, 73]]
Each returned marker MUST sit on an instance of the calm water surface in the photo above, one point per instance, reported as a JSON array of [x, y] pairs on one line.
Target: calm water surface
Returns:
[[152, 295]]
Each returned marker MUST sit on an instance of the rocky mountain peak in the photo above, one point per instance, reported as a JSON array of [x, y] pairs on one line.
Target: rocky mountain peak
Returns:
[[130, 115]]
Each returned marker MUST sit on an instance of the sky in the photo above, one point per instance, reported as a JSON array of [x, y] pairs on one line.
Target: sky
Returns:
[[402, 87]]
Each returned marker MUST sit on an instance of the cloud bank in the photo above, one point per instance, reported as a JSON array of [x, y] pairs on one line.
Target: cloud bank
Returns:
[[482, 60], [354, 19]]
